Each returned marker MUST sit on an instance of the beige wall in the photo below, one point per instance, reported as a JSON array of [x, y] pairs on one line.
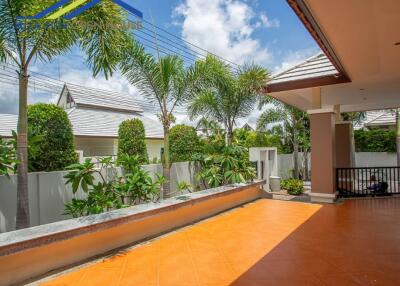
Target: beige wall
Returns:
[[154, 148], [344, 144], [95, 146], [323, 153]]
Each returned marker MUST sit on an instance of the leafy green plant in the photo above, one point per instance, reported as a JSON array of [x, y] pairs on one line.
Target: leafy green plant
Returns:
[[184, 143], [7, 157], [184, 186], [293, 186], [111, 191], [131, 139], [375, 140], [228, 167]]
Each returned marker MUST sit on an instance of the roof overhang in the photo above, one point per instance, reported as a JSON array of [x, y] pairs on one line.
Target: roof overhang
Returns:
[[359, 38]]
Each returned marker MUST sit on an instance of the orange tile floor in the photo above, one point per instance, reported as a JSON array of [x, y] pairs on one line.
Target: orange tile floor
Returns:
[[263, 243]]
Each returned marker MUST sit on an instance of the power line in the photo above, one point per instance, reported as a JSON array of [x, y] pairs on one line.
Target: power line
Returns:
[[183, 40]]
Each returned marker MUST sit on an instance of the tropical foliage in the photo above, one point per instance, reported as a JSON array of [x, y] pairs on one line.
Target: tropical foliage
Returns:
[[229, 95], [250, 139], [375, 140], [293, 186], [230, 166], [131, 139], [184, 143], [105, 190], [98, 32], [166, 82], [7, 157], [56, 150], [293, 122]]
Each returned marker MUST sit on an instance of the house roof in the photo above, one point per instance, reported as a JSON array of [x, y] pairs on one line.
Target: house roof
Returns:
[[105, 123], [377, 118], [92, 122], [316, 66], [104, 99]]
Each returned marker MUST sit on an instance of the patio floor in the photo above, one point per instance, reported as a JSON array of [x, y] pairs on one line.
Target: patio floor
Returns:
[[267, 242]]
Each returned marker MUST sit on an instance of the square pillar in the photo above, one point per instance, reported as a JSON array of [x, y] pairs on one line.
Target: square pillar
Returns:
[[323, 155], [344, 144]]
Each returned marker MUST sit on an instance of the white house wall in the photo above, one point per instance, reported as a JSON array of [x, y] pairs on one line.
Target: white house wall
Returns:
[[95, 146]]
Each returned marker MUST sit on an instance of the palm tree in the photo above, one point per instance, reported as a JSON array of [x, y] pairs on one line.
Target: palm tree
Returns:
[[98, 32], [292, 121], [166, 82], [229, 95]]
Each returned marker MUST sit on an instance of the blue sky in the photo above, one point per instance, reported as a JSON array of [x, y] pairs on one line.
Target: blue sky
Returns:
[[264, 31]]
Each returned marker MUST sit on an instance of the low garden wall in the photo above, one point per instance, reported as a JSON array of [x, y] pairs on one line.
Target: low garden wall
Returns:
[[28, 253], [362, 159], [48, 194]]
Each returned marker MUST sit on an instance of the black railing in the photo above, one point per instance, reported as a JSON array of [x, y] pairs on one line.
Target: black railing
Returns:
[[367, 181]]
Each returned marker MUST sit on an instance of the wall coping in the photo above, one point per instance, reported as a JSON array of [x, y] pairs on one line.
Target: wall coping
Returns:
[[20, 240]]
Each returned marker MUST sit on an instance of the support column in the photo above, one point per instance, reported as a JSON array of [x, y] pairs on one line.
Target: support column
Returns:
[[323, 155], [344, 144]]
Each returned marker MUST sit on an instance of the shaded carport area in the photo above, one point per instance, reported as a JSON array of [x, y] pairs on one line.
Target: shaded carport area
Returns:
[[357, 70]]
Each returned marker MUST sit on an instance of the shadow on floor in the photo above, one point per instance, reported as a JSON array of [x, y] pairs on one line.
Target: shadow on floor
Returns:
[[355, 243]]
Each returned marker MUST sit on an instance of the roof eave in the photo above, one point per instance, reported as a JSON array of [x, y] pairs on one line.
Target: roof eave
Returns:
[[305, 83], [303, 12]]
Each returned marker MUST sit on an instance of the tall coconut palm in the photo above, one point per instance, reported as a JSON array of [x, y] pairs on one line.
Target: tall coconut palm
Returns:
[[292, 120], [230, 95], [166, 82], [98, 32]]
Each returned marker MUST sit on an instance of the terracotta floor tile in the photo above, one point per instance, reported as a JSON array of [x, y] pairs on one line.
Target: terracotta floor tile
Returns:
[[264, 243]]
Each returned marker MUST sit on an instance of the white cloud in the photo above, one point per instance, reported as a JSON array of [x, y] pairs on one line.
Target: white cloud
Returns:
[[117, 83], [223, 27], [266, 22]]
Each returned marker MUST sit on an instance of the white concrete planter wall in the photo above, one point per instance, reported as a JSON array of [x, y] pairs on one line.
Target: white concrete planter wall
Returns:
[[48, 194]]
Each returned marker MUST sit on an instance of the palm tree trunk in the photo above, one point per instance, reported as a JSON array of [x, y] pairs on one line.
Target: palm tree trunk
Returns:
[[296, 159], [228, 135], [398, 135], [23, 218], [166, 190]]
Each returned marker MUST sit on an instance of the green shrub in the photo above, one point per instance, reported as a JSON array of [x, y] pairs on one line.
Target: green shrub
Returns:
[[375, 140], [131, 139], [293, 186], [56, 149], [184, 143]]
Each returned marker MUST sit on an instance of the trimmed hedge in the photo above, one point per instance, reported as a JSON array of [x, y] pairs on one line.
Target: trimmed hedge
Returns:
[[56, 149], [131, 139], [375, 140], [183, 143]]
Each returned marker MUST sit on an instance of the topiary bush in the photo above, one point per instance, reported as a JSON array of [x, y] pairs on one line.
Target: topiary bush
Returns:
[[293, 186], [131, 140], [56, 150], [184, 143]]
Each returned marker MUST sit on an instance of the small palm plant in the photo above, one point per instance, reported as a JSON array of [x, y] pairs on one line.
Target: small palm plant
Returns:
[[229, 95], [166, 82]]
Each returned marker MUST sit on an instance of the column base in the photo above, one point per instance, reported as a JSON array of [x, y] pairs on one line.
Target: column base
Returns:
[[323, 198]]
